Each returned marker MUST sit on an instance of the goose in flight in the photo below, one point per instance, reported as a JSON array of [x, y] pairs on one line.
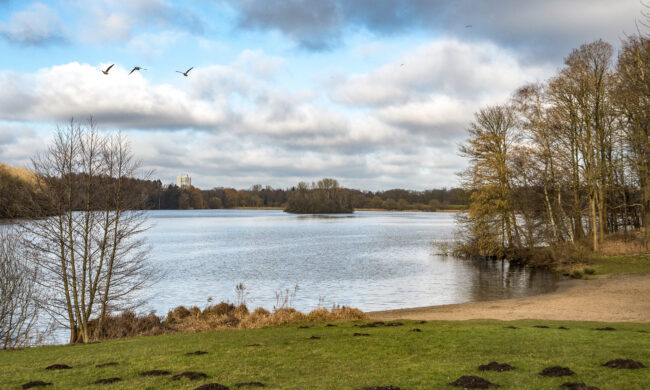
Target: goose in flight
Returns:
[[136, 68], [107, 69], [186, 72]]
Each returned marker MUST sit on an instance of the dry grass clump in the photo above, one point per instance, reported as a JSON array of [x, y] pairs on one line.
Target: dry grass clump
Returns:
[[219, 309], [348, 314], [126, 324], [337, 314], [261, 318], [623, 243], [319, 315], [220, 316], [177, 315]]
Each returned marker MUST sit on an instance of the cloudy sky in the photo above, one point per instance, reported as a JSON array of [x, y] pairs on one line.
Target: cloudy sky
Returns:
[[375, 93]]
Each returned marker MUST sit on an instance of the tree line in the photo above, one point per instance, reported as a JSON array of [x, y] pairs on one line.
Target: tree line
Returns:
[[171, 197], [18, 189], [565, 161]]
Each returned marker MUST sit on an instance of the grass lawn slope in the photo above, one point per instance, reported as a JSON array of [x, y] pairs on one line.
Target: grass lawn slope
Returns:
[[289, 357]]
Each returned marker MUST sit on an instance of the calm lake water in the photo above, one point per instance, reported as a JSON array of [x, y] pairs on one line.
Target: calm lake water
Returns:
[[369, 260]]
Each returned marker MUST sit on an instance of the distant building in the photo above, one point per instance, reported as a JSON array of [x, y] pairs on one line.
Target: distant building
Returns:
[[183, 181]]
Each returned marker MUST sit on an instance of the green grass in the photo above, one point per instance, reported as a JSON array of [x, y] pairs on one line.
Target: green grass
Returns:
[[287, 359], [619, 265]]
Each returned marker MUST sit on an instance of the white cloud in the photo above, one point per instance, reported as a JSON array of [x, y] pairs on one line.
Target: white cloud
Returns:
[[214, 98], [80, 90], [116, 20], [444, 66], [18, 143], [220, 124], [228, 126], [36, 26], [257, 63]]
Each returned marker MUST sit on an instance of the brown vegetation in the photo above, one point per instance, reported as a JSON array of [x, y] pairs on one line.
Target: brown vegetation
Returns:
[[220, 316]]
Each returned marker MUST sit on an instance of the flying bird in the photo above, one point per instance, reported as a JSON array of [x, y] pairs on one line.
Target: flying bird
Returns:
[[468, 26], [136, 68], [186, 72], [107, 69]]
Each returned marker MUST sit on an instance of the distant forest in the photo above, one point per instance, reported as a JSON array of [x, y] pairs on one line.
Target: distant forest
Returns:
[[171, 197], [17, 192]]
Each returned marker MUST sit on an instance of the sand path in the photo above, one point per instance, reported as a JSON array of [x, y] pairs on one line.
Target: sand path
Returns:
[[616, 299]]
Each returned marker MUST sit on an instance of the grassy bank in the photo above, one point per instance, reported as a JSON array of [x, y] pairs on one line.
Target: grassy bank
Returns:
[[286, 357], [620, 265], [599, 266]]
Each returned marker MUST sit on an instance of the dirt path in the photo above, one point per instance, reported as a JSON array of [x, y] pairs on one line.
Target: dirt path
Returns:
[[616, 299]]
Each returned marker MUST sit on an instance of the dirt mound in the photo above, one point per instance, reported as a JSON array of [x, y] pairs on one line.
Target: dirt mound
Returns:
[[58, 367], [191, 375], [608, 328], [250, 384], [416, 330], [31, 384], [360, 334], [107, 364], [330, 325], [253, 345], [494, 366], [577, 386], [378, 324], [212, 386], [196, 353], [510, 327], [155, 373], [304, 326], [624, 363], [314, 338], [472, 382], [642, 331], [422, 322], [107, 381], [540, 326], [563, 328], [556, 371]]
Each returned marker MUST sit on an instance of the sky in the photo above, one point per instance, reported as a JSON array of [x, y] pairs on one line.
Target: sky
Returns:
[[374, 93]]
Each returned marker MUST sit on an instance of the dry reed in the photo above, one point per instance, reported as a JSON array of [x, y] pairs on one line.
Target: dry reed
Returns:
[[221, 316]]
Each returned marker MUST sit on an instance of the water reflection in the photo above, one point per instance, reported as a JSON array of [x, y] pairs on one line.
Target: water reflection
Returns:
[[370, 260], [500, 280]]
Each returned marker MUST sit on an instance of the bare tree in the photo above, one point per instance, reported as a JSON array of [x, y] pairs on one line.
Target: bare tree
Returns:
[[633, 102], [492, 219], [18, 294], [90, 248]]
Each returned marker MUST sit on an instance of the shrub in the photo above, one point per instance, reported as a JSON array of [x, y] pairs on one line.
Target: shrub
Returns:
[[126, 324], [219, 309], [177, 314]]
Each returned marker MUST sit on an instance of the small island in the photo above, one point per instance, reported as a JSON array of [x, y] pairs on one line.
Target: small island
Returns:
[[323, 197]]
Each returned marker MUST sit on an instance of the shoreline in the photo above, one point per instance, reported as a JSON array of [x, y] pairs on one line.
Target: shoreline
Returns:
[[611, 299], [362, 209]]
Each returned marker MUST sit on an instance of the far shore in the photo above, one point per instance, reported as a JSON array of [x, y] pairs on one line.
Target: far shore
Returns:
[[409, 211], [614, 299]]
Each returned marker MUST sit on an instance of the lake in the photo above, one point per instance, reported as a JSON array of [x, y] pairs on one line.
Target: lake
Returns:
[[369, 260]]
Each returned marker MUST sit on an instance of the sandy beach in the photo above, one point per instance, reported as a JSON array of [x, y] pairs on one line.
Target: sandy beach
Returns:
[[623, 298]]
